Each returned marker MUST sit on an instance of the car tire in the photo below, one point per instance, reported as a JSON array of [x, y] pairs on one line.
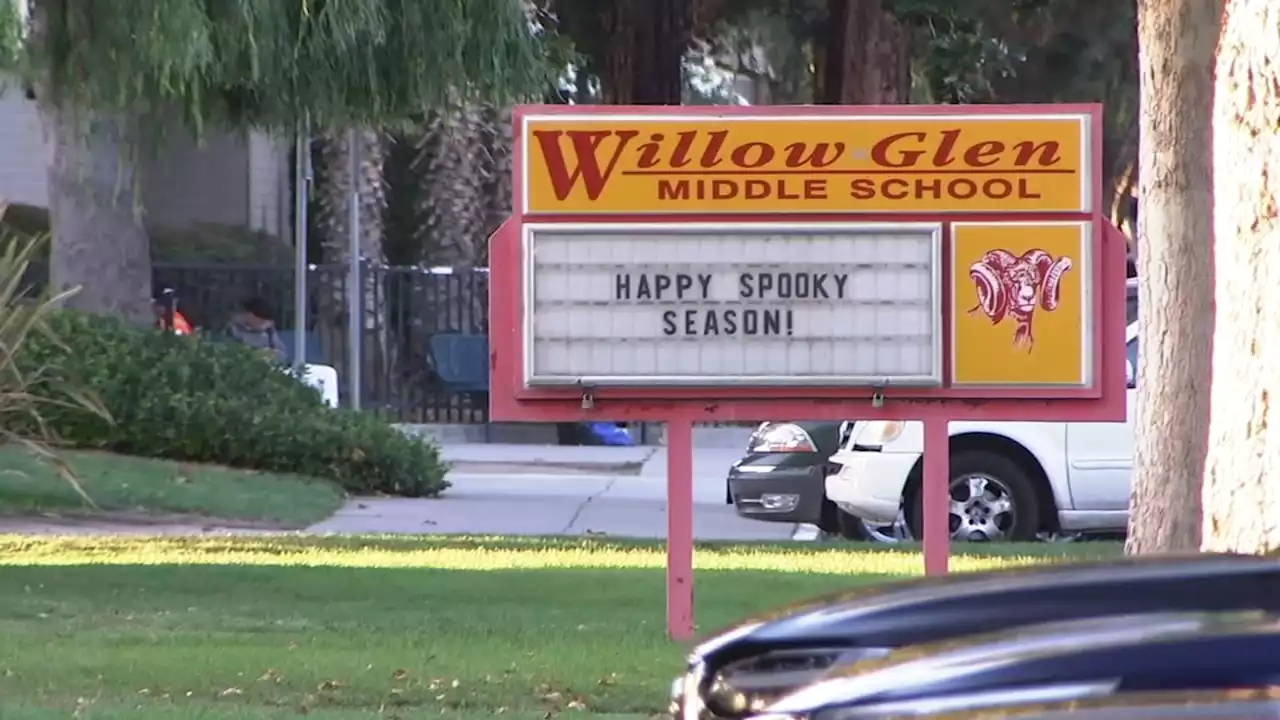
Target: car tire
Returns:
[[851, 527], [1003, 477], [837, 523]]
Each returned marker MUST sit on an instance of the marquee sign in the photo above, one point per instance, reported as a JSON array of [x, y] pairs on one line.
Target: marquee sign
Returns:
[[777, 305], [936, 252]]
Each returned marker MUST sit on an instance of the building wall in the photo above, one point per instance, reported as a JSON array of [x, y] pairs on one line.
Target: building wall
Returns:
[[232, 178], [23, 152], [186, 182]]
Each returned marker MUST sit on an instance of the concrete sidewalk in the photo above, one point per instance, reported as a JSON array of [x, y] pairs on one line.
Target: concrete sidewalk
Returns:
[[550, 490], [635, 473], [576, 506], [606, 460]]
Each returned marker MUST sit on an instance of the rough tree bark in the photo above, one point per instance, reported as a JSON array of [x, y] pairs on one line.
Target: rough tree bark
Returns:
[[496, 120], [334, 221], [99, 243], [642, 59], [456, 178], [1241, 496], [334, 211], [1176, 40], [866, 60]]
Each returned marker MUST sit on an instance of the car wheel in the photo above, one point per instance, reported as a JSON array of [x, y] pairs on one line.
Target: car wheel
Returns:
[[992, 499]]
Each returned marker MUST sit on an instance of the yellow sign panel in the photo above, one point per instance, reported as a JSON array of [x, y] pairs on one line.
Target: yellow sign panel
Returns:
[[1019, 310], [796, 164]]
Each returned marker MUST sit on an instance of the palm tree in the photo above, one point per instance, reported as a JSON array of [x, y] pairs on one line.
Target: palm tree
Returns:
[[336, 178]]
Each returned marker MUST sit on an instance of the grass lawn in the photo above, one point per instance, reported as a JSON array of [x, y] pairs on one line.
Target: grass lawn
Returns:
[[455, 627], [120, 484]]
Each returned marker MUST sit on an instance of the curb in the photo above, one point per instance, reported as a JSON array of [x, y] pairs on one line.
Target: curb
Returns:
[[548, 468], [545, 434]]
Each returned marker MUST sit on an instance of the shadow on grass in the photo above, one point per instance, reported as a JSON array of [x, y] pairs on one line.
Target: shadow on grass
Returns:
[[263, 639], [454, 626]]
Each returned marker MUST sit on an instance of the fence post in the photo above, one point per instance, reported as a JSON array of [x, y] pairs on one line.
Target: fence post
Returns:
[[302, 181]]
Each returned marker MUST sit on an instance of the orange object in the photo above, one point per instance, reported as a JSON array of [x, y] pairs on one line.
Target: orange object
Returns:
[[180, 324]]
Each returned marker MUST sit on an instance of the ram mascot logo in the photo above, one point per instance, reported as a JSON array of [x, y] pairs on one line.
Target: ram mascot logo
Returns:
[[1012, 286]]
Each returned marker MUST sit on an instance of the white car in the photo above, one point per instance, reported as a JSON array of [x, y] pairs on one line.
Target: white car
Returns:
[[1009, 480]]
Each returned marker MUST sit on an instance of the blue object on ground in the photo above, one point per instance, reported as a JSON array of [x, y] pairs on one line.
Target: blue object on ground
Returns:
[[610, 434]]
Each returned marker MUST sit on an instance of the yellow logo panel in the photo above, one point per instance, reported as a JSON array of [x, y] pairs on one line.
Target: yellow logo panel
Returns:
[[1020, 310]]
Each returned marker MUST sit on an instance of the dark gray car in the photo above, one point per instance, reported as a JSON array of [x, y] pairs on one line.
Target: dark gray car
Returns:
[[782, 478]]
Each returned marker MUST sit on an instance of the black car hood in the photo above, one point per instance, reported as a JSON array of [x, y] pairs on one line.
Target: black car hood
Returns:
[[894, 614], [1078, 651]]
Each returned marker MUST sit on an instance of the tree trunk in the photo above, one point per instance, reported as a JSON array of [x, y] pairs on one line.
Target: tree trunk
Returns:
[[1176, 40], [498, 140], [1241, 496], [865, 60], [457, 177], [99, 243], [645, 42], [334, 211]]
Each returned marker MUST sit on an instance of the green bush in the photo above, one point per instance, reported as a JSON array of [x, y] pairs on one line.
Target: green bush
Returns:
[[205, 400], [198, 243]]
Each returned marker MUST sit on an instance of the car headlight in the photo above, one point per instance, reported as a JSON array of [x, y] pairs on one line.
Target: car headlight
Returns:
[[781, 438], [686, 704], [878, 433], [750, 685]]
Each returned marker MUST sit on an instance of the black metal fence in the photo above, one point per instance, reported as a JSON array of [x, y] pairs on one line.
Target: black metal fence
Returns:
[[400, 308]]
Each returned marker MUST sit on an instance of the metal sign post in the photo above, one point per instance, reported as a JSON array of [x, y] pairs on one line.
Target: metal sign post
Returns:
[[301, 191], [704, 264]]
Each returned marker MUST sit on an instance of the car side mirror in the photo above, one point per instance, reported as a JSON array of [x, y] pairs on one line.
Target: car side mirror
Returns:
[[1129, 374]]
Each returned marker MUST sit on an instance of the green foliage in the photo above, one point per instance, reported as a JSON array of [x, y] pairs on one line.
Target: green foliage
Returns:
[[269, 64], [972, 51], [12, 30], [197, 243], [32, 393], [204, 400]]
